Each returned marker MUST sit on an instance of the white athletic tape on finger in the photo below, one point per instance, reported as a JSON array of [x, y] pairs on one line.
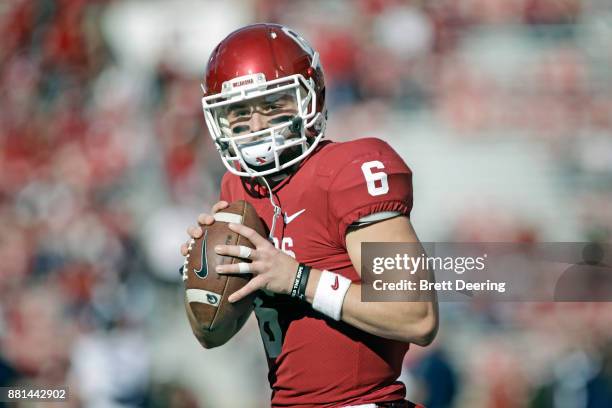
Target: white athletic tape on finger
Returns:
[[245, 252], [228, 217], [203, 296], [244, 267]]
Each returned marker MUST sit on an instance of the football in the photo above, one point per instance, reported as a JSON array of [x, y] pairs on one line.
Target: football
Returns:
[[207, 291]]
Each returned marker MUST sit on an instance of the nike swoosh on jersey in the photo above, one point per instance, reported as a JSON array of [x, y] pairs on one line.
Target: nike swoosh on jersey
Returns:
[[288, 219], [336, 284], [203, 271]]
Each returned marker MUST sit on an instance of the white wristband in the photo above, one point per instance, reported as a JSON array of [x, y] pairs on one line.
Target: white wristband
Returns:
[[329, 296]]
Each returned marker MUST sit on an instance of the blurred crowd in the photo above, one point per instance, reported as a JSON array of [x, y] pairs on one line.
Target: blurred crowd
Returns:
[[104, 165]]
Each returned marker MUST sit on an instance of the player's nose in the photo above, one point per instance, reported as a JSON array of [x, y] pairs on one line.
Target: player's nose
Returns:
[[258, 122]]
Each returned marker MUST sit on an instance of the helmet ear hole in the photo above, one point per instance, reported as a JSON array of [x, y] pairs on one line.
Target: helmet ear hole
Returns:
[[296, 125]]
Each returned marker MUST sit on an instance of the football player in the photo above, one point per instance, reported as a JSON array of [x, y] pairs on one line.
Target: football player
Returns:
[[264, 105]]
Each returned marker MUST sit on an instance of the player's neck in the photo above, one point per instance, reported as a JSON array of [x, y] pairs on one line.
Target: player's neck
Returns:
[[277, 178]]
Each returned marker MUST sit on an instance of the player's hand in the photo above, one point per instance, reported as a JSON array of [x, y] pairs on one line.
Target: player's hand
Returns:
[[272, 269], [203, 219]]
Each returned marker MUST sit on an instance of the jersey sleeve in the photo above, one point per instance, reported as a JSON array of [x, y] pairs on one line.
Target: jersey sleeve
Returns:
[[375, 179]]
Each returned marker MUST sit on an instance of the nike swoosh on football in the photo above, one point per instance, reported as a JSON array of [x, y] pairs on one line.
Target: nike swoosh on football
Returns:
[[203, 271], [336, 284], [288, 219]]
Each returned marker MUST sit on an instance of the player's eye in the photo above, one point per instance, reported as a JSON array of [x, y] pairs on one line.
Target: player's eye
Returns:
[[267, 108], [274, 107], [242, 113], [239, 112]]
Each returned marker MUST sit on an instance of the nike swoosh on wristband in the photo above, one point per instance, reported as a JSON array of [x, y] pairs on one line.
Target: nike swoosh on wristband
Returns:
[[288, 219], [336, 284]]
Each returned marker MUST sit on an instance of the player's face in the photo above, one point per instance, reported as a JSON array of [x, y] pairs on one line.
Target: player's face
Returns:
[[260, 113]]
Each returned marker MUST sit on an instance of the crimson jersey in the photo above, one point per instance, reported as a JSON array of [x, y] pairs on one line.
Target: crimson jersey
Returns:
[[315, 361]]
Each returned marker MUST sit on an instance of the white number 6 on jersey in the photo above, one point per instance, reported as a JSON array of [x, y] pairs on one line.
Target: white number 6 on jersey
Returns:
[[372, 178]]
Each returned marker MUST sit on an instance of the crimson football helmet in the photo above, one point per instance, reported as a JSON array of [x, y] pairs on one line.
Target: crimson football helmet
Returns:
[[264, 62]]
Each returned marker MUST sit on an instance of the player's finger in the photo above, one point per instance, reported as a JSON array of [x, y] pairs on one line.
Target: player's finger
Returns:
[[184, 249], [253, 285], [248, 233], [205, 219], [194, 232], [238, 251], [236, 268], [219, 206]]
